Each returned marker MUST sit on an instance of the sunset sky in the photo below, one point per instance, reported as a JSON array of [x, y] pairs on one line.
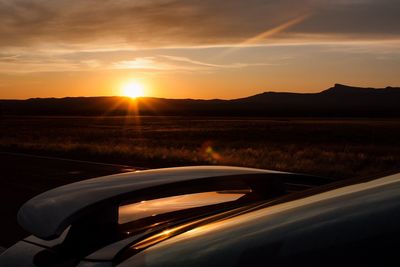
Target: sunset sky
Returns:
[[195, 48]]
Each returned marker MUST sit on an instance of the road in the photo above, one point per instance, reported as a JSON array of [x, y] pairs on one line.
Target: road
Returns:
[[23, 176]]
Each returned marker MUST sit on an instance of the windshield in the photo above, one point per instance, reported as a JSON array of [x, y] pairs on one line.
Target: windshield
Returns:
[[158, 214], [147, 208]]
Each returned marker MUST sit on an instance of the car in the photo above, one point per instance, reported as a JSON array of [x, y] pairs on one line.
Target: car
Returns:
[[211, 216]]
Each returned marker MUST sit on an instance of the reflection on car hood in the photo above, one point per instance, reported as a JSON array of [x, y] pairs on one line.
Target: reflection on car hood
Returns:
[[337, 215]]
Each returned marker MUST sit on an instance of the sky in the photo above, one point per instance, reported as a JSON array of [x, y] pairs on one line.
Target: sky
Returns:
[[199, 49]]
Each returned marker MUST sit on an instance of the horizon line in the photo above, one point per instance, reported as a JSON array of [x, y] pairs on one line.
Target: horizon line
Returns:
[[209, 99]]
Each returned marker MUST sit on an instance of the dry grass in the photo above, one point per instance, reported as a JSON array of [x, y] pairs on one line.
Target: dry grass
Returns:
[[335, 148]]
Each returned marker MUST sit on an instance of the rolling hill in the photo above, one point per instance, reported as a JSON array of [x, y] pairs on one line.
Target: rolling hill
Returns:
[[338, 101]]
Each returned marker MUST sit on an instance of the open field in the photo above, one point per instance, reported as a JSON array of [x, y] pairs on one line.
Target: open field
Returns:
[[339, 148]]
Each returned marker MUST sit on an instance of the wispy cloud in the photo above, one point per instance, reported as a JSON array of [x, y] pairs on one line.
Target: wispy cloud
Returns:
[[166, 23], [178, 63], [269, 33], [200, 59], [145, 63], [275, 30], [8, 58], [211, 65]]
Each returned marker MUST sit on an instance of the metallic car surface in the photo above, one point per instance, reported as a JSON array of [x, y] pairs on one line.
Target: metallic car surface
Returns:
[[47, 215], [349, 223], [280, 235]]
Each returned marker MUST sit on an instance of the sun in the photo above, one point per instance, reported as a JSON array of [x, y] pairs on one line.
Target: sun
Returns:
[[133, 90]]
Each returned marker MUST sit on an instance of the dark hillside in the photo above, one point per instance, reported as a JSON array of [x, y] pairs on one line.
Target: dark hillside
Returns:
[[338, 101]]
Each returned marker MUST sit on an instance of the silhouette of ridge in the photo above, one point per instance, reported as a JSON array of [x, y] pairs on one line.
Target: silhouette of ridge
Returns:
[[345, 89], [337, 101]]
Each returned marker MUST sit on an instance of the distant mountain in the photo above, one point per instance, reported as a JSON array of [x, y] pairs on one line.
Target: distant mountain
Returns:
[[340, 100]]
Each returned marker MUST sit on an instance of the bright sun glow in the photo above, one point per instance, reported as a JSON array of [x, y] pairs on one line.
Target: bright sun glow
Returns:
[[133, 90]]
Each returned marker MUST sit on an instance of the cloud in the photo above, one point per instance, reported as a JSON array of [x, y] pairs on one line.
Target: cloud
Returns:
[[9, 58], [178, 63], [234, 65], [145, 63], [80, 35], [143, 60], [357, 18], [160, 23]]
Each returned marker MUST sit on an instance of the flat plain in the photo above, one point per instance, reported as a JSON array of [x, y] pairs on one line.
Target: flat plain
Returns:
[[337, 148]]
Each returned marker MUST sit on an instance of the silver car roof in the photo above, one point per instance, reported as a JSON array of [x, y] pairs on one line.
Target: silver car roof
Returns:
[[338, 216], [50, 213]]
